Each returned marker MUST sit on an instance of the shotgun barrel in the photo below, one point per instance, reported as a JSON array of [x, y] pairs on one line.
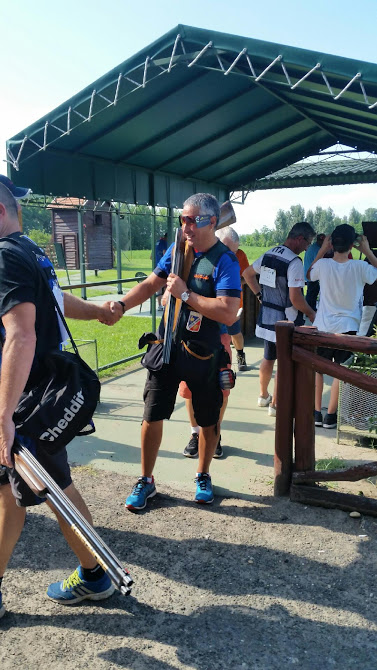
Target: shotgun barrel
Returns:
[[173, 306], [43, 485]]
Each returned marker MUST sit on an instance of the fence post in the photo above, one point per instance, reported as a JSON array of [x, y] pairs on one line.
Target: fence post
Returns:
[[82, 259], [118, 248], [284, 414], [304, 414]]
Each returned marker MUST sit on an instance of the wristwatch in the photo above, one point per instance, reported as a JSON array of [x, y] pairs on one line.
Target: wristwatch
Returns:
[[185, 296]]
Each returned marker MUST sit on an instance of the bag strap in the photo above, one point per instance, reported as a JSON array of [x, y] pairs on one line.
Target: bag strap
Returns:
[[31, 255]]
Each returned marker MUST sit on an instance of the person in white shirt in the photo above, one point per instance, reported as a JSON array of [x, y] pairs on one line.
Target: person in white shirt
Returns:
[[342, 282]]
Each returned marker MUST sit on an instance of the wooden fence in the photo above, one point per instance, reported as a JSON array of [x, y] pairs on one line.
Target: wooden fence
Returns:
[[297, 364]]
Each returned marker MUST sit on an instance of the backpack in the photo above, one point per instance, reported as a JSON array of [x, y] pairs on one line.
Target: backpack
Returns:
[[60, 405]]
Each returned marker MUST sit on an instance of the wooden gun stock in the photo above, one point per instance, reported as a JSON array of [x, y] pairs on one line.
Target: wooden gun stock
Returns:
[[43, 485], [227, 215]]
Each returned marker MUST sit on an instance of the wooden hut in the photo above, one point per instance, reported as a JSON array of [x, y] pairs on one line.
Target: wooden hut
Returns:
[[97, 232]]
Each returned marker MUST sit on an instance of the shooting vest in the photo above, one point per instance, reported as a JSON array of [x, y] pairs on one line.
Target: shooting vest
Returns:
[[200, 280], [275, 300]]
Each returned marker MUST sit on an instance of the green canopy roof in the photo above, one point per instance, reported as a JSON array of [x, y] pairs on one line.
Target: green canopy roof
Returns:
[[323, 173], [197, 110]]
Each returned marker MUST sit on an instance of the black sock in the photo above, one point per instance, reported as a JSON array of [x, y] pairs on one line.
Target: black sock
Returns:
[[239, 352], [94, 574]]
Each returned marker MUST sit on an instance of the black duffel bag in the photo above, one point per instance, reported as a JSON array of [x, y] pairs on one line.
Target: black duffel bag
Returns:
[[62, 395], [61, 404]]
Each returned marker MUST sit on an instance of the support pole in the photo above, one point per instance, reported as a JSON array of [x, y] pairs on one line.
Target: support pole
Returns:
[[284, 414], [119, 250], [170, 225], [153, 242], [81, 252]]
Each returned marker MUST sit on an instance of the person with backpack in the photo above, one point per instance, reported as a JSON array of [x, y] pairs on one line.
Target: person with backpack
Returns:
[[30, 329]]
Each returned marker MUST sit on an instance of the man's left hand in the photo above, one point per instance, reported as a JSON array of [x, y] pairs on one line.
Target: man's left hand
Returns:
[[175, 285]]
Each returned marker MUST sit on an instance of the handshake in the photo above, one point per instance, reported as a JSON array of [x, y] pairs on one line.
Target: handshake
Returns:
[[111, 311]]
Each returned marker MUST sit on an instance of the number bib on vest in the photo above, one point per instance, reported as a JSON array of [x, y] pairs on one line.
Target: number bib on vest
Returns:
[[267, 276]]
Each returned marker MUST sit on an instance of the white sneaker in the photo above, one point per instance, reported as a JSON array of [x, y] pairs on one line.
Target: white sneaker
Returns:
[[264, 402], [271, 411]]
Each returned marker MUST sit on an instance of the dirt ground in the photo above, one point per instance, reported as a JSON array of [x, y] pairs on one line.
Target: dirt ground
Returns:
[[263, 585]]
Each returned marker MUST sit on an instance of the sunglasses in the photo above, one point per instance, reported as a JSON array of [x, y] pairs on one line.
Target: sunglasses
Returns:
[[199, 221]]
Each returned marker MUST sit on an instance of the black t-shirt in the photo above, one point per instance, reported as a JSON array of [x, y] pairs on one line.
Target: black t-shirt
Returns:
[[21, 281]]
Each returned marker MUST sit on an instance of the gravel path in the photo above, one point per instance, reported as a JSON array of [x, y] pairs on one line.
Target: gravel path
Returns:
[[261, 585]]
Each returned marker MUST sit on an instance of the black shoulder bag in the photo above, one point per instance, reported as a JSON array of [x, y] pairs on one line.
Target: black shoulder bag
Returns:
[[61, 404]]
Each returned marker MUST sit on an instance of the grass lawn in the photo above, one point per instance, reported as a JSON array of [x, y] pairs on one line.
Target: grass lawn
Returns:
[[253, 253], [113, 343]]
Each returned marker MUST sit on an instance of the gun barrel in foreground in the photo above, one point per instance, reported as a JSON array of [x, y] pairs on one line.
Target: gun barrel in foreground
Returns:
[[43, 485]]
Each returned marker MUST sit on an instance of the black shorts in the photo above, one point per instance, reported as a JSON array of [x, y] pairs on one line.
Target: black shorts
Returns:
[[270, 351], [56, 465], [202, 379], [336, 355]]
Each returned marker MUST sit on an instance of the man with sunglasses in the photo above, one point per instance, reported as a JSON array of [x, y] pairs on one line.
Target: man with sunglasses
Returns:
[[210, 297], [279, 291]]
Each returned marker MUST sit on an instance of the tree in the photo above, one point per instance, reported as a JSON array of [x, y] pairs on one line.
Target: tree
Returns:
[[36, 218], [309, 217], [282, 225], [354, 219], [40, 237], [296, 214], [370, 214]]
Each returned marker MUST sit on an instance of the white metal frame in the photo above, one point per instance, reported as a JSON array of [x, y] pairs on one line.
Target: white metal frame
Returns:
[[153, 66]]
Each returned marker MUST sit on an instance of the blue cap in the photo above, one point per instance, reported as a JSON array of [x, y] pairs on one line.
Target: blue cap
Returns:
[[18, 192]]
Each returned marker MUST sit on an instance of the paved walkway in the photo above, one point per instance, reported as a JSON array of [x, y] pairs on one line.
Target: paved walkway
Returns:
[[247, 435]]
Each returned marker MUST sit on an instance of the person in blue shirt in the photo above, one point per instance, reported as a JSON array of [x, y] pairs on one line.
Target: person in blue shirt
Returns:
[[210, 296], [312, 287], [161, 248]]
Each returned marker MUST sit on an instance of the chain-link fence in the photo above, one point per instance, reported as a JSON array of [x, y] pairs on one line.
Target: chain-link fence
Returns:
[[357, 410]]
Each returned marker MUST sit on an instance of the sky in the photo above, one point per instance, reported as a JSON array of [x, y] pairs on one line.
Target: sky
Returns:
[[53, 50]]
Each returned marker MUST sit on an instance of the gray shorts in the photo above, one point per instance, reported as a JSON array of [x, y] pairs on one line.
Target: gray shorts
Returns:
[[56, 465]]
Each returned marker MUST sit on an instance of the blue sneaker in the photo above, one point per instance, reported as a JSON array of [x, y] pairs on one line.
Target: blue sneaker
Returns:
[[2, 608], [204, 492], [75, 589], [140, 494]]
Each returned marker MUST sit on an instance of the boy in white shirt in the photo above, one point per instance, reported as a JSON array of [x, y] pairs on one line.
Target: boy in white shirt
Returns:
[[342, 282]]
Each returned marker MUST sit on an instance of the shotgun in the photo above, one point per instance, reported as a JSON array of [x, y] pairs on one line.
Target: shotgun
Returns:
[[173, 307], [44, 486]]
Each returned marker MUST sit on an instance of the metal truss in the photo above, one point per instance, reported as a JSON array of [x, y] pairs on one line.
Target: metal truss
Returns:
[[276, 73], [82, 204], [239, 197]]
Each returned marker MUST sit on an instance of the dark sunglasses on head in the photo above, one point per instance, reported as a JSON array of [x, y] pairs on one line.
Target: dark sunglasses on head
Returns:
[[199, 221]]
